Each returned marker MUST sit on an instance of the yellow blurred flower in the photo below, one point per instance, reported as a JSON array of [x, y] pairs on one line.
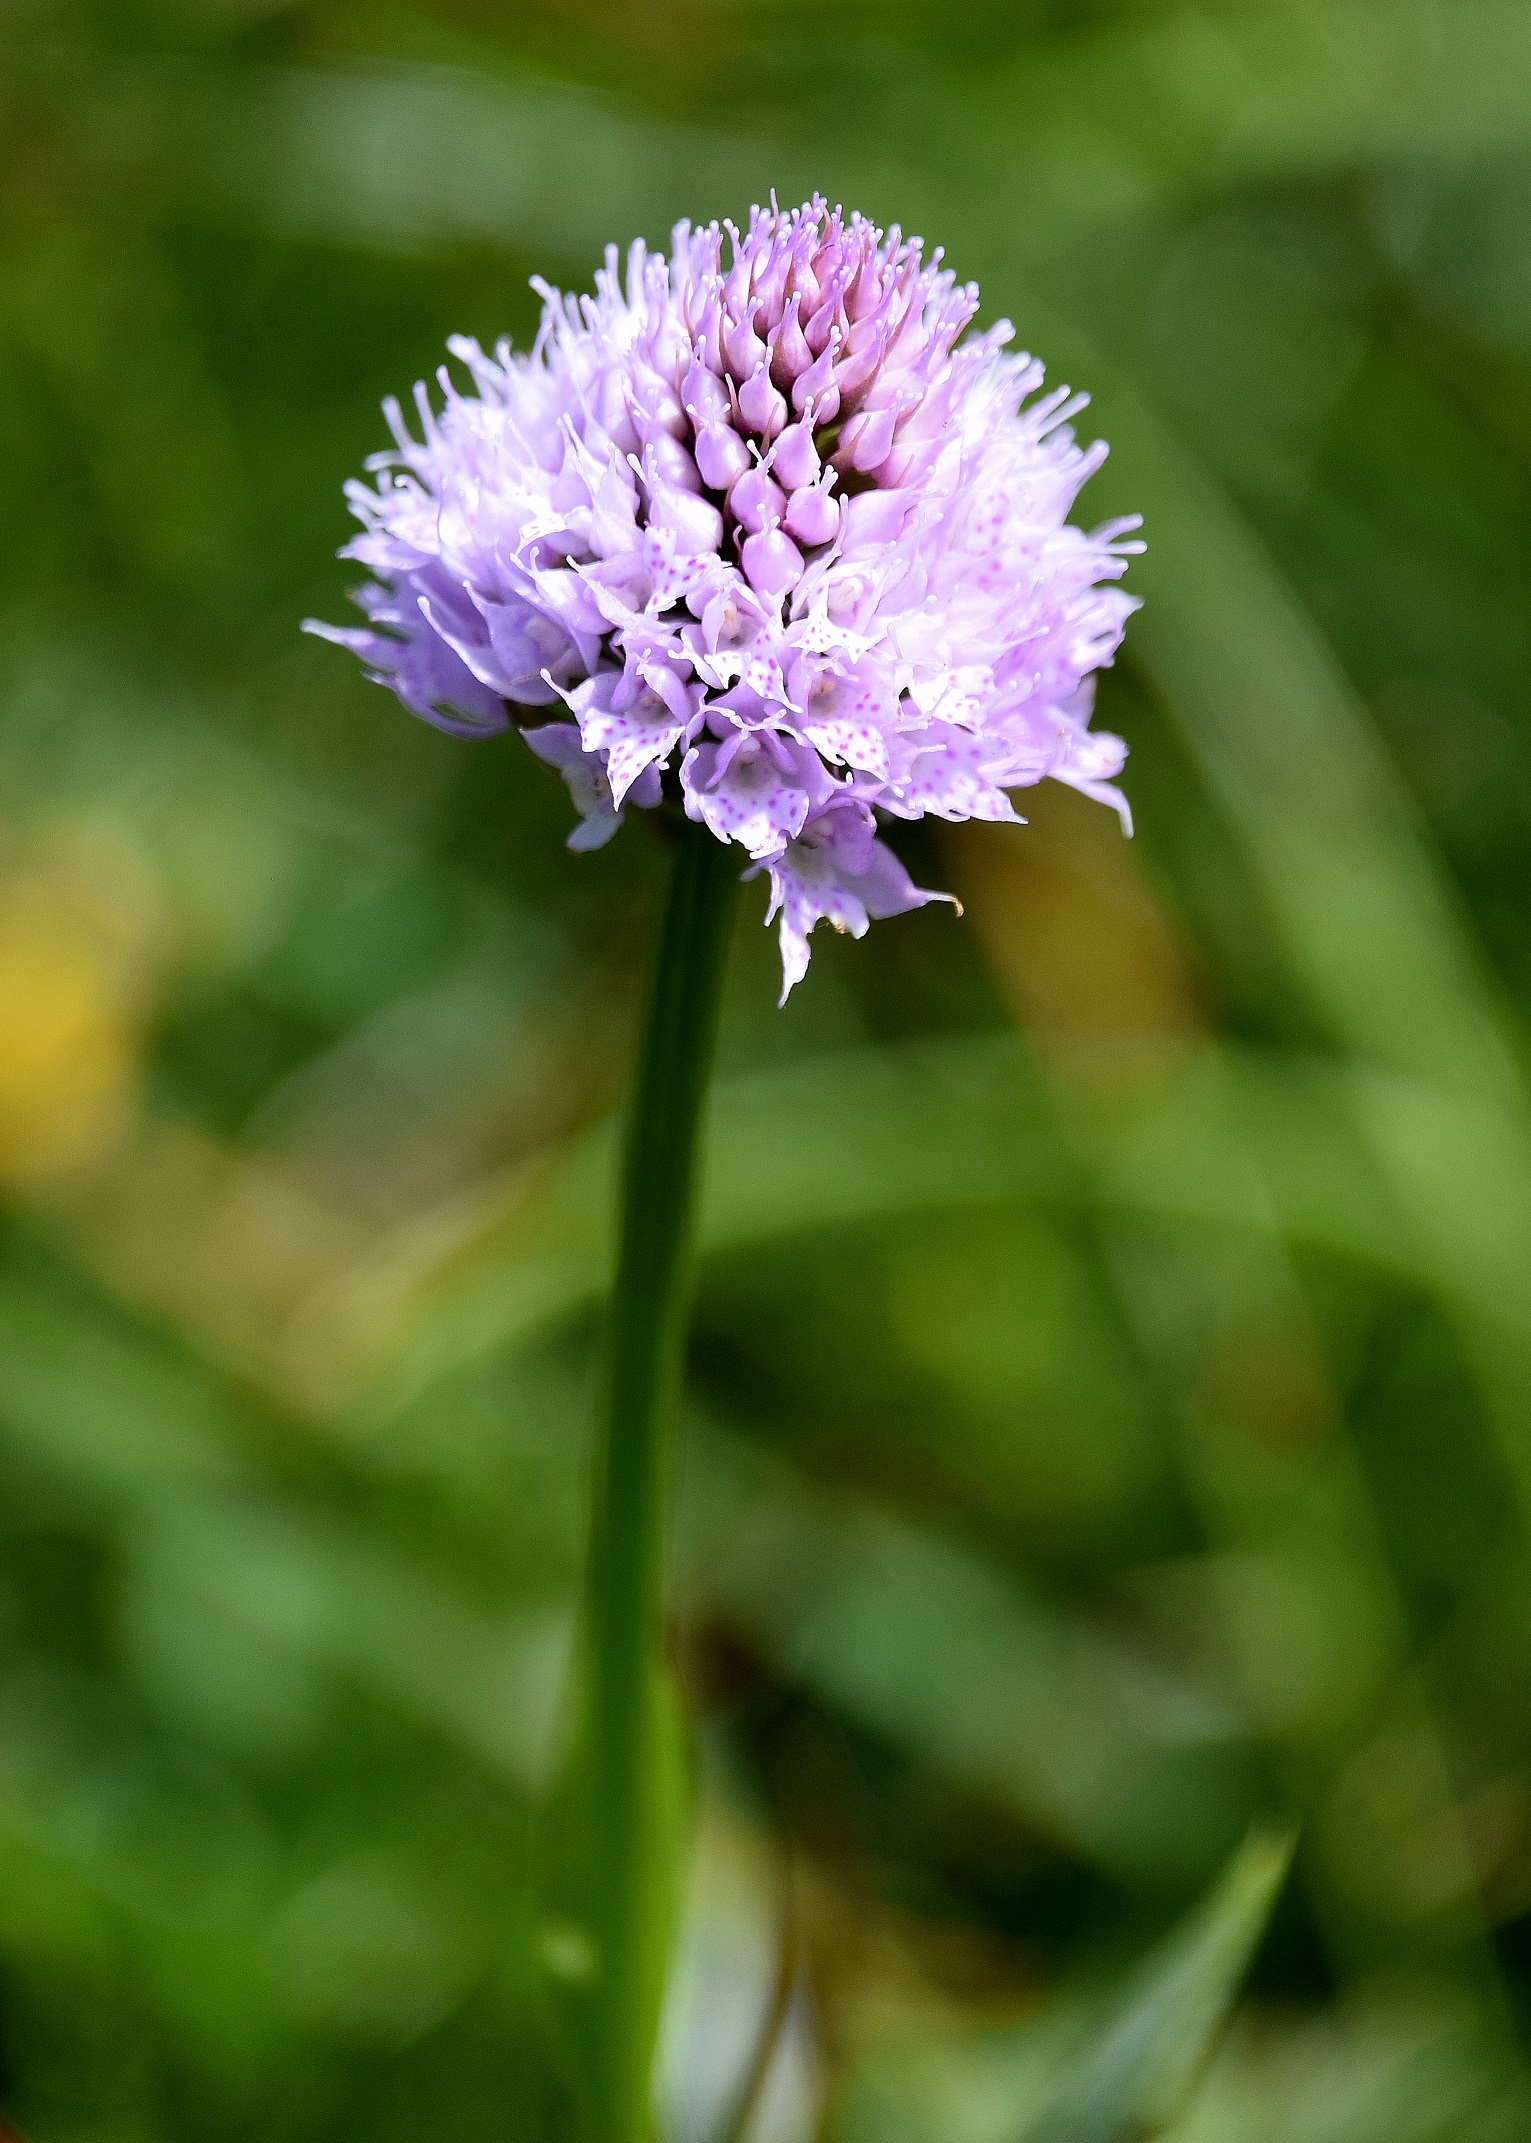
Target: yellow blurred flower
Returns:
[[74, 929]]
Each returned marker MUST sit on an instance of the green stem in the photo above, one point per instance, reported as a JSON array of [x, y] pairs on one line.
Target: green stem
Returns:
[[648, 1330]]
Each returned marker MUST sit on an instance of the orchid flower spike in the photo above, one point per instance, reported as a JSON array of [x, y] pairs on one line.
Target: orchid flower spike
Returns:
[[762, 532]]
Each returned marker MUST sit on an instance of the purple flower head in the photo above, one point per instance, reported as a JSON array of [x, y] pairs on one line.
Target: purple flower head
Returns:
[[758, 532]]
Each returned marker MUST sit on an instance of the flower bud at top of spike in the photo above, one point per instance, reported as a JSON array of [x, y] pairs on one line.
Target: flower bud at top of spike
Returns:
[[865, 440], [772, 562], [790, 354], [744, 349], [812, 516], [695, 523], [795, 459], [757, 501], [703, 395], [722, 456], [760, 405], [815, 385], [672, 463]]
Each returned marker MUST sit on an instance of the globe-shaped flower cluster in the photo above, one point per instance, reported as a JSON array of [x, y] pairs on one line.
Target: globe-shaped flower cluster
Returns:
[[769, 541]]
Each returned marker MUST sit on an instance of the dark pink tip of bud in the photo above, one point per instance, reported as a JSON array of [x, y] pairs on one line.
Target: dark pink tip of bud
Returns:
[[721, 455], [813, 517], [772, 562]]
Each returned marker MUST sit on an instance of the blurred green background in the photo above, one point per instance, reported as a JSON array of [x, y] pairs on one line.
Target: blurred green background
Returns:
[[1111, 1410]]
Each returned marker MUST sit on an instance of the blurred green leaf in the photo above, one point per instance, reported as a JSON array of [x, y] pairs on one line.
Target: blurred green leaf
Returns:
[[1137, 2073], [1025, 1701]]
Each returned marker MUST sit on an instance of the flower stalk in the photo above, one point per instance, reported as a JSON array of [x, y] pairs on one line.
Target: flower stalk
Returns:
[[626, 1718]]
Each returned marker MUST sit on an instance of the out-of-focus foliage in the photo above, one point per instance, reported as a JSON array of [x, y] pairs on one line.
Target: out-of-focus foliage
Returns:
[[1111, 1420]]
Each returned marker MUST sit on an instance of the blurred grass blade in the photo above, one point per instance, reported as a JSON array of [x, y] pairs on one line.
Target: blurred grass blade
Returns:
[[1133, 2079]]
